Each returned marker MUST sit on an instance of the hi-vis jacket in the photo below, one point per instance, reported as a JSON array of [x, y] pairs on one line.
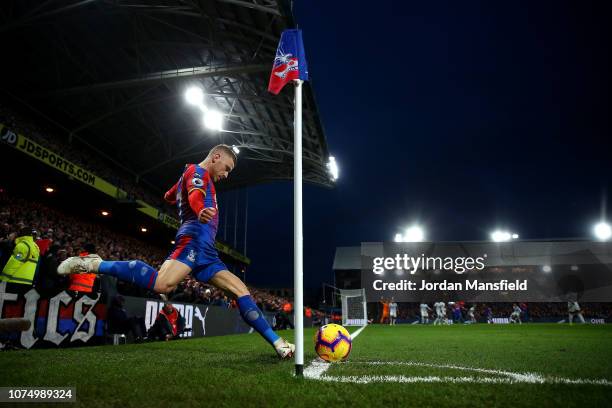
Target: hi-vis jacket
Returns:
[[21, 266]]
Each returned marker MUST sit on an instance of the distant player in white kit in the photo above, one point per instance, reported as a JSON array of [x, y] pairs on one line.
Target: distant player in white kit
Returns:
[[440, 313], [573, 309], [471, 312], [425, 309], [392, 312], [515, 317]]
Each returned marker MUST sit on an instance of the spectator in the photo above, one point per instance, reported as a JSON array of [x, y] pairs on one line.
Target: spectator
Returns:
[[186, 296], [83, 283], [21, 266], [169, 324], [222, 301], [48, 279], [119, 322]]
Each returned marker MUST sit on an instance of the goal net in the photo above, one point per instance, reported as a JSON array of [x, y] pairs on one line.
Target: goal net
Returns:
[[354, 307]]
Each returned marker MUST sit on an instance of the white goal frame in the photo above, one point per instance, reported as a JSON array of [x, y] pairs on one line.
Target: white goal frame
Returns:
[[345, 294]]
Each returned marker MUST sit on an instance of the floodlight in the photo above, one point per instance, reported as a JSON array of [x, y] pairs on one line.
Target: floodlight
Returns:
[[602, 231], [213, 120], [194, 96], [414, 234], [500, 236], [332, 166]]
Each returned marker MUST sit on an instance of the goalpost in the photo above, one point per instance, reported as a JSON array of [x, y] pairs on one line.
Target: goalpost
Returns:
[[354, 307]]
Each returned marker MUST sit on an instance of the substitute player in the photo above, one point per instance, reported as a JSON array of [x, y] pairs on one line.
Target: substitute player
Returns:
[[194, 252], [384, 316]]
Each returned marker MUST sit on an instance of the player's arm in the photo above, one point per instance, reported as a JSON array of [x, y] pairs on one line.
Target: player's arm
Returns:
[[170, 195], [196, 192]]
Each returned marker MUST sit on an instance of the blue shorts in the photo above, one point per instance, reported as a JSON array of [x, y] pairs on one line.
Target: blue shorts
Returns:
[[202, 258]]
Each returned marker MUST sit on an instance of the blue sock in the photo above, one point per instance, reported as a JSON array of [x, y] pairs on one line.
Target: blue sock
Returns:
[[255, 318], [136, 272]]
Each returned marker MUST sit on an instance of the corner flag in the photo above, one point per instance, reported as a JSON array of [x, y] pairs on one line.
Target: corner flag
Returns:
[[290, 65], [290, 61]]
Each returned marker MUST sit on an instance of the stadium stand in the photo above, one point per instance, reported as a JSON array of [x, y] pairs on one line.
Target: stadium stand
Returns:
[[80, 156], [70, 233]]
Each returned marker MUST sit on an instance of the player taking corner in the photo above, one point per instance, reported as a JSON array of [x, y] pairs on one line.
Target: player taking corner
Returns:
[[194, 251]]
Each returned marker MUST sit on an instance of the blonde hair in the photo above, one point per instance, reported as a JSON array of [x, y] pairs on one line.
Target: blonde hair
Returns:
[[225, 149]]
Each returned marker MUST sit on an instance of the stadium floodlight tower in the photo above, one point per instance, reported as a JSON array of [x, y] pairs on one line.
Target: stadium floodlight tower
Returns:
[[211, 119], [414, 233], [503, 236], [195, 96], [332, 166], [602, 231]]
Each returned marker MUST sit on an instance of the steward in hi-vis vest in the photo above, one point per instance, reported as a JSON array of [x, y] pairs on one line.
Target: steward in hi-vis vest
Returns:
[[21, 266]]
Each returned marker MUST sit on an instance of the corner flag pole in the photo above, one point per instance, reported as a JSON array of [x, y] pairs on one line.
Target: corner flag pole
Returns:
[[298, 239]]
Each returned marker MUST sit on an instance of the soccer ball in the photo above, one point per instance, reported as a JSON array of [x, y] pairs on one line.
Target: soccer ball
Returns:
[[333, 342]]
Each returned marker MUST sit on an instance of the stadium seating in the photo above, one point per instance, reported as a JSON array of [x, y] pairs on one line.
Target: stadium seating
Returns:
[[81, 157], [70, 233]]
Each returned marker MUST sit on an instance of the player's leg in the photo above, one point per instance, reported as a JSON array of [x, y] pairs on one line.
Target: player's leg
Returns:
[[581, 318], [570, 318], [137, 272], [171, 273], [249, 311], [178, 265]]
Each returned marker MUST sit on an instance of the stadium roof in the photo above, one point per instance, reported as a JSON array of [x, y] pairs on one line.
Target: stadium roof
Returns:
[[112, 75]]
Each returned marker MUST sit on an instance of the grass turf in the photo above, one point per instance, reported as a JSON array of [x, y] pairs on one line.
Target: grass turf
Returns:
[[242, 370]]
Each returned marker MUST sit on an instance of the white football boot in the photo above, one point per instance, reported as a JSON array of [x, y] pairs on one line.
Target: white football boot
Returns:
[[284, 349], [79, 264]]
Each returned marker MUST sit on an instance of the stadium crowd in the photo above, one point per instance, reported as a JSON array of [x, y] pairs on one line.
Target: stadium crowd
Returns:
[[79, 156], [63, 235]]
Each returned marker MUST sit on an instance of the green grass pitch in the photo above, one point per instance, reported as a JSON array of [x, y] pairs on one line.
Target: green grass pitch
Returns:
[[242, 370]]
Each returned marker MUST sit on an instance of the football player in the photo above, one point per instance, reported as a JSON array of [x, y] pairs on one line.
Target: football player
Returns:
[[194, 251]]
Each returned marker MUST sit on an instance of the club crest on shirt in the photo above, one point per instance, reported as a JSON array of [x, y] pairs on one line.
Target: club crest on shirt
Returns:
[[192, 255], [197, 182]]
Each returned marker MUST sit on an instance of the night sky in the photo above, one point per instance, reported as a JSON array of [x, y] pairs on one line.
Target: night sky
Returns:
[[461, 116]]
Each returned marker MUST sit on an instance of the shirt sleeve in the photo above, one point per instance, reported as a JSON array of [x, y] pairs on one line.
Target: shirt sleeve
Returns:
[[21, 252], [195, 181], [196, 201], [170, 195]]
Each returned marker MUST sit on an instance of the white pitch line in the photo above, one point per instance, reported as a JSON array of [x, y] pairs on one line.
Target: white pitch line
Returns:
[[507, 377], [367, 379], [318, 367], [523, 377]]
